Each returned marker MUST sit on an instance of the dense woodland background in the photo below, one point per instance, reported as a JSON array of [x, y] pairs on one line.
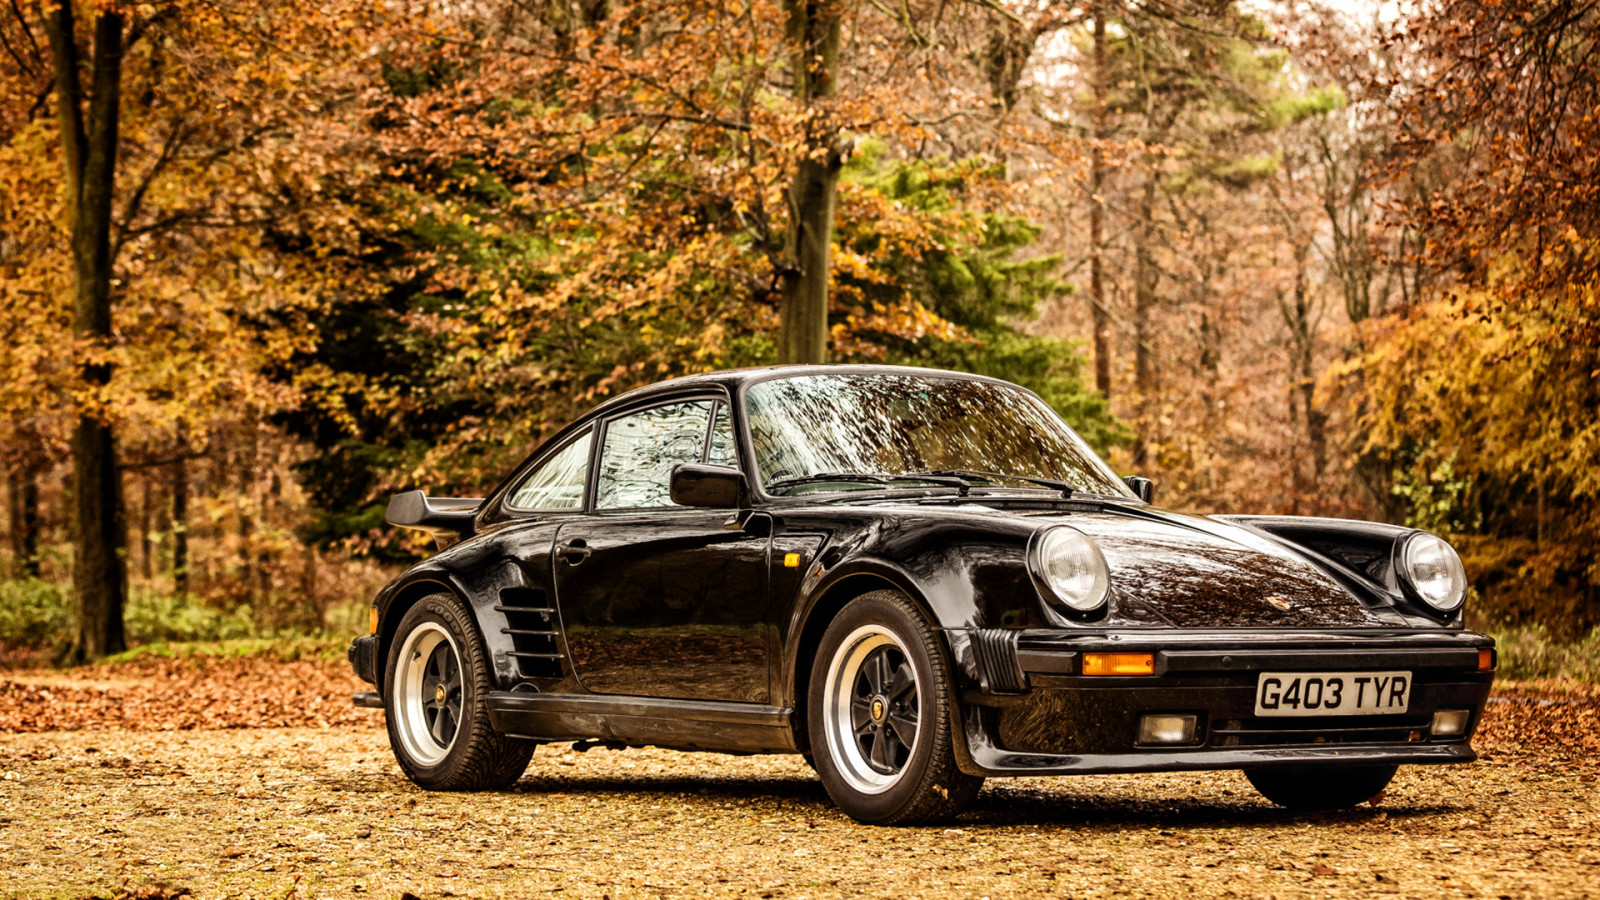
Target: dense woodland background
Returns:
[[264, 263]]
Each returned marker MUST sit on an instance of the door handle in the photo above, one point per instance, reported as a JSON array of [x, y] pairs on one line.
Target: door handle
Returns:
[[574, 551]]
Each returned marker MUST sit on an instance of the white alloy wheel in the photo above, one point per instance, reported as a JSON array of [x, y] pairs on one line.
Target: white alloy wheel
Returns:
[[873, 709], [427, 686]]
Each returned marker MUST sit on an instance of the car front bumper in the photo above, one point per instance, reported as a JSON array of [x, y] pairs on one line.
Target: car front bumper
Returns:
[[363, 656], [1036, 713]]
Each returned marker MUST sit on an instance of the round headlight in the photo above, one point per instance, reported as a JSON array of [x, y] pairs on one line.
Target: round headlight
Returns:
[[1072, 568], [1432, 572]]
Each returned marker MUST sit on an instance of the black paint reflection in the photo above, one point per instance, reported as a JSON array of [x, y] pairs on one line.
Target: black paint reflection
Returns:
[[694, 663], [666, 604], [1204, 574]]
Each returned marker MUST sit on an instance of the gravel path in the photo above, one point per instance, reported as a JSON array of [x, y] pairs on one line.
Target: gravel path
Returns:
[[309, 812]]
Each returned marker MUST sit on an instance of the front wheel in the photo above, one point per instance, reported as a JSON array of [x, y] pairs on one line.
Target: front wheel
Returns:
[[437, 678], [881, 716], [1321, 787]]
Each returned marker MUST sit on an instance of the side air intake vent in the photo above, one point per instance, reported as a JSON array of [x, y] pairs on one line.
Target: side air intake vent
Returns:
[[530, 622], [996, 651]]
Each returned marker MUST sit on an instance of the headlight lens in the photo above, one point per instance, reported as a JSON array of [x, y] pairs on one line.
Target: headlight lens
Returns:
[[1072, 568], [1433, 572]]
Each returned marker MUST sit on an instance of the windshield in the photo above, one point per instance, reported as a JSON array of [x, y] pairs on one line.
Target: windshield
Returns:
[[812, 432]]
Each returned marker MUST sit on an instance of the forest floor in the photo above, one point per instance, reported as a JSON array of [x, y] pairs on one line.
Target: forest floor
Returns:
[[254, 777]]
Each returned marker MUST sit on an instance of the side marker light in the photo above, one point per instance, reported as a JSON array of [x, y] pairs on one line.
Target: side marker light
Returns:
[[1119, 664], [1485, 659], [372, 620]]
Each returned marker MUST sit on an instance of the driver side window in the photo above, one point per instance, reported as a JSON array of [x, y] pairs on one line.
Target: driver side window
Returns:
[[641, 449]]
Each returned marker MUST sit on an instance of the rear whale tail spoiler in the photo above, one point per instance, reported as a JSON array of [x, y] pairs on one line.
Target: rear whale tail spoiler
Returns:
[[447, 519]]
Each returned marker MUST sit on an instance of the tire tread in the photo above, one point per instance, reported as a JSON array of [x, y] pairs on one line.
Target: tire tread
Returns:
[[488, 760], [1321, 787], [943, 790]]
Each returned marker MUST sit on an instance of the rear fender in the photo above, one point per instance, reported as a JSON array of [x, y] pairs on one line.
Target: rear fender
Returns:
[[479, 583]]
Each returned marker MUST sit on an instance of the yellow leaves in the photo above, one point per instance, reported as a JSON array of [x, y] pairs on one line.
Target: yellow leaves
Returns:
[[1512, 389]]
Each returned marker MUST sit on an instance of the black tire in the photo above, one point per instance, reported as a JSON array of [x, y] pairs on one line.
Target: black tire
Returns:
[[444, 742], [865, 763], [1321, 787]]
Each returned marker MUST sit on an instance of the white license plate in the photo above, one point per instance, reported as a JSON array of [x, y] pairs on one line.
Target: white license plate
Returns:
[[1332, 693]]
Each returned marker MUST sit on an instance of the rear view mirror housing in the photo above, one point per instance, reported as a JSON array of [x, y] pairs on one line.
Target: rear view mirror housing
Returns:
[[1142, 487], [708, 487]]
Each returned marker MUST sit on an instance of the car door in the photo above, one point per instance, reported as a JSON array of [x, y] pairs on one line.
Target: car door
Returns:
[[661, 600]]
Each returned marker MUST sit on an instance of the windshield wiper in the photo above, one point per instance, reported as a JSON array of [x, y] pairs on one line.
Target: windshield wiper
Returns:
[[968, 474], [870, 478]]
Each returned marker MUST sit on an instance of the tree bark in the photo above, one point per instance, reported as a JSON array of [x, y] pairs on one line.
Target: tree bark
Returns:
[[180, 525], [1144, 288], [245, 465], [813, 29], [1097, 215], [1298, 316], [14, 519], [89, 156], [25, 514], [146, 545], [1005, 58]]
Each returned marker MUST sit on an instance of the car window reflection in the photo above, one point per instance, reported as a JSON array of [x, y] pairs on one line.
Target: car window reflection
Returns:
[[889, 425], [640, 451]]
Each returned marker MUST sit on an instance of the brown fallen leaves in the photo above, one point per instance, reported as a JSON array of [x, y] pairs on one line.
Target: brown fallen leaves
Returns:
[[162, 694], [1553, 717], [154, 892]]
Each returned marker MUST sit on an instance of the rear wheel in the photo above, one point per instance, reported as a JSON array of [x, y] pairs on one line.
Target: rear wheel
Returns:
[[882, 716], [437, 679], [1321, 787]]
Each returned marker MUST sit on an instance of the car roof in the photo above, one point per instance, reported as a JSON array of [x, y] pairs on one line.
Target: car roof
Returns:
[[733, 379]]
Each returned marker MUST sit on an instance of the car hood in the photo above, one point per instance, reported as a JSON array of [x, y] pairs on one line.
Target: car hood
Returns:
[[1197, 572]]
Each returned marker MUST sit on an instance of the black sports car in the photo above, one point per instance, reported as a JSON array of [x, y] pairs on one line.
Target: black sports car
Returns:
[[919, 579]]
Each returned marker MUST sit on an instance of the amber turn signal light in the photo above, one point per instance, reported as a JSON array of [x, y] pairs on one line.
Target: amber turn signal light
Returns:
[[1485, 659], [1119, 664], [372, 620]]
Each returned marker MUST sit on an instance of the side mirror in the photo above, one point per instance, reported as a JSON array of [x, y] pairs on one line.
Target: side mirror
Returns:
[[1144, 488], [713, 487]]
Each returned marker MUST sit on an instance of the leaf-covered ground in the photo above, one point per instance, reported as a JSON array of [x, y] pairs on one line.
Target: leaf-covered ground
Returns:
[[254, 778]]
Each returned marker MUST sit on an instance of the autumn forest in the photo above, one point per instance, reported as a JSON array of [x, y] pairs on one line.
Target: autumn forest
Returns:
[[265, 263]]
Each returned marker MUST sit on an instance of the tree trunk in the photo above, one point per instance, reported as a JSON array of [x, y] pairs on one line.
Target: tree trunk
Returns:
[[89, 156], [1097, 215], [30, 520], [146, 544], [1144, 286], [180, 524], [25, 515], [813, 28], [265, 561], [1005, 58], [245, 465], [1316, 419], [14, 519], [1298, 316]]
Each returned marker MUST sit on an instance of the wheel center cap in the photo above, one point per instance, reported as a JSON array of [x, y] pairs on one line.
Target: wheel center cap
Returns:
[[438, 694], [880, 709]]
